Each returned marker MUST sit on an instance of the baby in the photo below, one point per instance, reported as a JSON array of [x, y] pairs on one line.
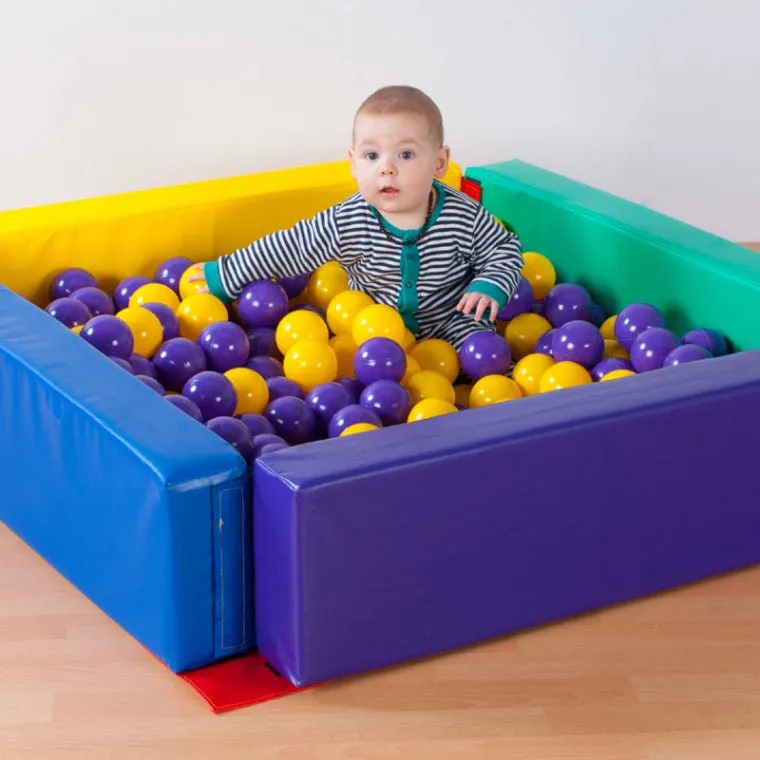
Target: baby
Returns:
[[406, 239]]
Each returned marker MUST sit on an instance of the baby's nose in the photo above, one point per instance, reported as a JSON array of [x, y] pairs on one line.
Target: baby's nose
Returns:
[[388, 170]]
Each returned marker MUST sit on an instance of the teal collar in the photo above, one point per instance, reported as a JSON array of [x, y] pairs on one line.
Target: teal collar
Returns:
[[412, 236]]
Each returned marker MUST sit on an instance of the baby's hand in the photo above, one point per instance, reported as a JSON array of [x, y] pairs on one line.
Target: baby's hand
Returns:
[[480, 303], [198, 278]]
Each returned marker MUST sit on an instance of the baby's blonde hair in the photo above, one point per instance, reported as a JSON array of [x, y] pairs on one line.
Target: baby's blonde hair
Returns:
[[405, 99]]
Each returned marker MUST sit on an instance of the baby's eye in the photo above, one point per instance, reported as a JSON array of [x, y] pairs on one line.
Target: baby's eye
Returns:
[[406, 154], [371, 155]]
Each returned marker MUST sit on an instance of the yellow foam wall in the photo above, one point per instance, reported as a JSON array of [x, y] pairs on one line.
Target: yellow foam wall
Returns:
[[122, 235]]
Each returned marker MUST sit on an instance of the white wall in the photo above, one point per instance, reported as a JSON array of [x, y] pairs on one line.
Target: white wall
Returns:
[[654, 100]]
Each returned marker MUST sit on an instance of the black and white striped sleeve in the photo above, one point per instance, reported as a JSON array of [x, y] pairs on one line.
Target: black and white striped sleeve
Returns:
[[287, 253]]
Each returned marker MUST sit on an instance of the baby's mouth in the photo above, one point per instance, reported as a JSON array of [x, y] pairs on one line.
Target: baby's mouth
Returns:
[[388, 191]]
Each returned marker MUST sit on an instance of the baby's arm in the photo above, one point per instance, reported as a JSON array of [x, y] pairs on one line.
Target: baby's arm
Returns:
[[297, 250], [497, 263]]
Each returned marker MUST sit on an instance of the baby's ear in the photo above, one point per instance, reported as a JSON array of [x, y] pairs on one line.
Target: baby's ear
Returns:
[[351, 156], [442, 162]]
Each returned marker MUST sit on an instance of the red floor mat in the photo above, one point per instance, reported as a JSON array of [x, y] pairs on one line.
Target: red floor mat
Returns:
[[239, 682]]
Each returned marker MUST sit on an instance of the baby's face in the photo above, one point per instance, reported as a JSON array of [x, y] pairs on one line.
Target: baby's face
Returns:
[[394, 160]]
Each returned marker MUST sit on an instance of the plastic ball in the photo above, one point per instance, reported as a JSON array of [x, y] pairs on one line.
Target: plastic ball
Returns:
[[292, 419], [711, 340], [327, 399], [616, 374], [484, 353], [283, 386], [607, 328], [567, 302], [343, 308], [96, 300], [563, 375], [257, 423], [70, 280], [187, 288], [634, 320], [493, 389], [152, 383], [110, 335], [428, 383], [597, 314], [126, 288], [294, 286], [170, 272], [310, 363], [351, 415], [379, 359], [545, 343], [251, 390], [235, 432], [409, 341], [143, 366], [262, 304], [540, 273], [522, 333], [649, 348], [438, 355], [378, 321], [359, 427], [528, 371], [146, 329], [428, 408], [184, 404], [388, 400], [262, 342], [462, 395], [167, 318], [578, 341], [69, 312], [198, 311], [353, 386], [520, 303], [177, 360], [608, 365], [412, 368], [225, 344], [345, 350], [263, 440], [613, 350], [685, 354], [266, 366], [123, 363], [300, 325], [154, 292], [213, 393], [325, 283]]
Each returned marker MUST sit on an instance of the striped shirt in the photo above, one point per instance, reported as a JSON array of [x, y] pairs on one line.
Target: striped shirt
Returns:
[[462, 248]]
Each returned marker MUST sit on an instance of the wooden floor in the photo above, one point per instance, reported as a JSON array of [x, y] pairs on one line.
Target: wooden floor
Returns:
[[672, 677]]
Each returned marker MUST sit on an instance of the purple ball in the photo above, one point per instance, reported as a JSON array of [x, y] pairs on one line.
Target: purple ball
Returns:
[[213, 393], [266, 366], [292, 419], [544, 345], [310, 307], [353, 386], [265, 439], [567, 302], [170, 272], [70, 280], [633, 320], [177, 360], [167, 318], [152, 383], [110, 335], [537, 308], [225, 344], [257, 423], [350, 415], [713, 341], [686, 354], [262, 304], [379, 359], [188, 407], [69, 312], [325, 400], [268, 448], [294, 286], [388, 400], [96, 300], [484, 353], [578, 341], [608, 365], [123, 363], [597, 315], [235, 432], [263, 343], [283, 386], [520, 303], [649, 349], [125, 288], [143, 366]]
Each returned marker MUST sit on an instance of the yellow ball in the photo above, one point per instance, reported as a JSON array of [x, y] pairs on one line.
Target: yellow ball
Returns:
[[345, 349], [462, 395], [358, 427], [608, 328], [187, 289], [493, 389], [310, 363], [430, 384], [154, 292], [616, 374], [540, 273], [300, 325], [613, 350], [343, 310], [412, 368], [325, 283], [251, 388], [438, 355], [146, 329], [409, 340], [198, 311], [378, 321], [77, 329], [430, 407], [528, 371], [563, 375], [523, 332]]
